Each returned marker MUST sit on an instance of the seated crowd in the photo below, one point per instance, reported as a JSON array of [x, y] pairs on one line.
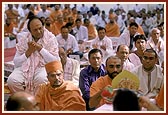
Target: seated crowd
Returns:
[[45, 78]]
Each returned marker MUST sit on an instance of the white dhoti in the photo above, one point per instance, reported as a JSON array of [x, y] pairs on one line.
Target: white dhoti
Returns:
[[16, 80]]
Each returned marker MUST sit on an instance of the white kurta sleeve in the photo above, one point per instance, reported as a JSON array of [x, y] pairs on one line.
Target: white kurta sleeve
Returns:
[[19, 59], [48, 57]]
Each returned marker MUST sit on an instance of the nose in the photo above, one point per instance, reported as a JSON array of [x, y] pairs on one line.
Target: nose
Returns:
[[56, 76], [115, 68]]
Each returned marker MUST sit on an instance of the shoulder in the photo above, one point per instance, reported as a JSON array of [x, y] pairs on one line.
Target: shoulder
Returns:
[[69, 85]]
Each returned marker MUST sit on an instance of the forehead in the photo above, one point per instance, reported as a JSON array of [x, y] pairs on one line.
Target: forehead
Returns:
[[55, 72], [150, 54], [140, 40], [97, 54], [35, 23], [113, 61], [101, 31], [155, 31], [64, 29], [133, 27], [123, 48]]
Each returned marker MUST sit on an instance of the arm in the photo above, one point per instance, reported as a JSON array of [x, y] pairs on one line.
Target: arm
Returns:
[[145, 102], [95, 99], [47, 55], [20, 58], [76, 72], [75, 45], [84, 84]]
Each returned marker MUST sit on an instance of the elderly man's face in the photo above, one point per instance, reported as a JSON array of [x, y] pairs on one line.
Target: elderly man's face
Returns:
[[36, 29], [123, 53], [155, 34], [55, 78]]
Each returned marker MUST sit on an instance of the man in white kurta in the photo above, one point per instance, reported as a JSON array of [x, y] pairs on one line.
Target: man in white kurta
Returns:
[[150, 74], [128, 35], [67, 41], [103, 43], [123, 54], [71, 67], [81, 32], [34, 49], [155, 42]]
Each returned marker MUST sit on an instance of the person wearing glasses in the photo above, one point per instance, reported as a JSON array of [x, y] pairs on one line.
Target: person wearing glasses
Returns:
[[58, 94], [150, 74]]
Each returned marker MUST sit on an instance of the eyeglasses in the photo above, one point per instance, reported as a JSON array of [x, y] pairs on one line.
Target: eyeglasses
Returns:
[[146, 58]]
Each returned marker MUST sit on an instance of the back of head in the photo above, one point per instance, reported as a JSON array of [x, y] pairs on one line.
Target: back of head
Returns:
[[13, 104], [18, 101], [125, 100]]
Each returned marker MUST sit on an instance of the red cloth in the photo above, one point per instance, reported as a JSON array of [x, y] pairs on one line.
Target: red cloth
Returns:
[[9, 54]]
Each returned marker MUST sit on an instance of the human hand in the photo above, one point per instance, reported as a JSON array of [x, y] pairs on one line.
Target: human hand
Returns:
[[31, 48], [38, 46], [159, 48], [103, 47], [95, 46], [69, 51], [108, 94]]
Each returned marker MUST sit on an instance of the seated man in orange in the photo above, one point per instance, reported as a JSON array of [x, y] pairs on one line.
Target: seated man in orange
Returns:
[[57, 94], [92, 33], [114, 67], [112, 28]]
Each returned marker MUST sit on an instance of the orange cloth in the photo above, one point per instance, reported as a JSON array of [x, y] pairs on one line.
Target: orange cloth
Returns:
[[91, 32], [12, 15], [64, 98], [53, 16], [112, 30], [111, 15], [53, 66], [160, 98], [140, 30], [58, 26], [9, 29], [98, 85], [52, 28]]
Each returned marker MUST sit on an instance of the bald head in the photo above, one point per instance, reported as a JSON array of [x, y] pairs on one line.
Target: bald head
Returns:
[[21, 101], [123, 52]]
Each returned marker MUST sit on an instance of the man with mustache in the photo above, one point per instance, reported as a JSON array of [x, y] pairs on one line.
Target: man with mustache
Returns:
[[58, 94], [114, 67]]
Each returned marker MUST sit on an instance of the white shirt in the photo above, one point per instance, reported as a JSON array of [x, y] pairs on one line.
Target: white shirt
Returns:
[[82, 33], [43, 14], [134, 59], [125, 38], [72, 71], [83, 9], [156, 80], [101, 22], [128, 65], [69, 43], [107, 43], [151, 44]]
